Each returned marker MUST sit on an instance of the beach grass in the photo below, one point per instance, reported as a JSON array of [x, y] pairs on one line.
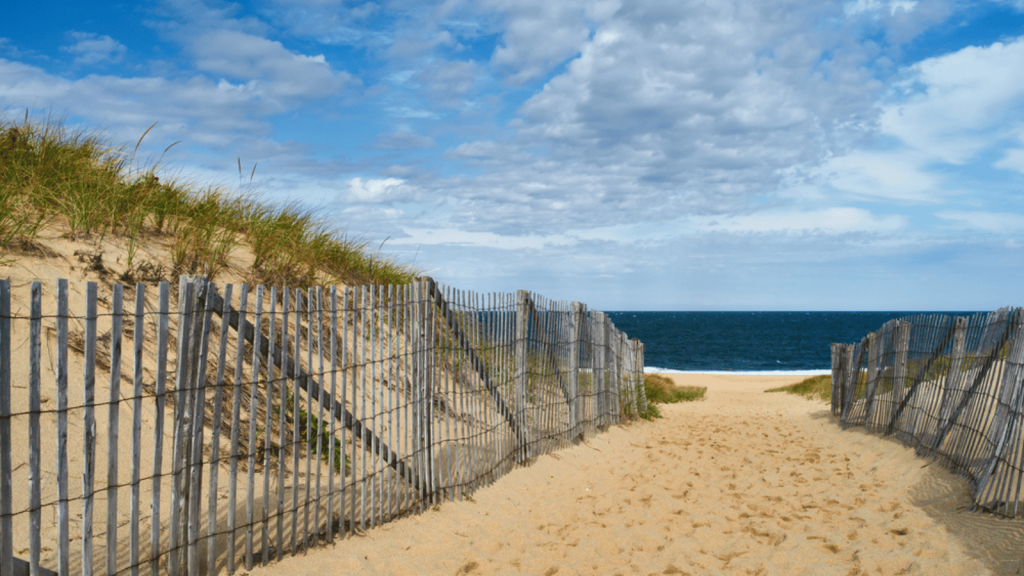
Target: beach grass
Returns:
[[815, 388], [77, 181], [661, 390]]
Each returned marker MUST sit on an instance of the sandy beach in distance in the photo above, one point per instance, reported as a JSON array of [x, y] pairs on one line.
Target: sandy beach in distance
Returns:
[[740, 483]]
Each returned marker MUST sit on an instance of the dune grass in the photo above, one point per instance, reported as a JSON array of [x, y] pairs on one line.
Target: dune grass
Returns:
[[661, 390], [815, 388], [51, 174]]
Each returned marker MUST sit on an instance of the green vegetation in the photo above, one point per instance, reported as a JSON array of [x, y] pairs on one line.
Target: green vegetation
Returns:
[[315, 431], [661, 390], [815, 388], [52, 175]]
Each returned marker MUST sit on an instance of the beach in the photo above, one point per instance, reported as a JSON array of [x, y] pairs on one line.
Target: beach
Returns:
[[741, 482]]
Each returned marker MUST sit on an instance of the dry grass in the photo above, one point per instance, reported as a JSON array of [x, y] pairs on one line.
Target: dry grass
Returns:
[[661, 390], [815, 388], [49, 173]]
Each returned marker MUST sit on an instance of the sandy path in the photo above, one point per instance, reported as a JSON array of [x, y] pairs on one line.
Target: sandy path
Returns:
[[741, 483]]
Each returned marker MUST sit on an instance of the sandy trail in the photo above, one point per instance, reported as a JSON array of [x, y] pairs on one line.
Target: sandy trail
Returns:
[[741, 483]]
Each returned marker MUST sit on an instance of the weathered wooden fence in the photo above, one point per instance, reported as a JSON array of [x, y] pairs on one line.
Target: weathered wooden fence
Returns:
[[276, 419], [952, 387]]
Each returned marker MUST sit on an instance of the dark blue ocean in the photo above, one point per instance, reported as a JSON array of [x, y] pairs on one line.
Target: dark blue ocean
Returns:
[[747, 341]]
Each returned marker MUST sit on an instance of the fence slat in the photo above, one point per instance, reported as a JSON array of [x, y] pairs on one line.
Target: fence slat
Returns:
[[196, 428], [236, 410], [178, 485], [320, 406], [346, 521], [112, 426], [34, 445], [309, 414], [297, 439], [331, 458], [158, 424], [138, 327], [282, 446], [6, 522], [218, 405], [250, 484], [88, 426], [63, 518]]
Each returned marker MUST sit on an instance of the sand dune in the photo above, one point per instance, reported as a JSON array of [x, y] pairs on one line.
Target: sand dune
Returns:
[[741, 483]]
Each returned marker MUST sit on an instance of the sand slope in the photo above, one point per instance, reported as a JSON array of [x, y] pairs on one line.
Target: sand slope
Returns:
[[741, 483]]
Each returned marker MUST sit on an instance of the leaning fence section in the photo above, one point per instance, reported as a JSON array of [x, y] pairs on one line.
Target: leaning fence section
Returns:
[[952, 387], [214, 428]]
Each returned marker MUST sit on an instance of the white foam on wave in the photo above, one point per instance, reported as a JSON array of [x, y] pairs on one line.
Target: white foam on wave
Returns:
[[655, 370]]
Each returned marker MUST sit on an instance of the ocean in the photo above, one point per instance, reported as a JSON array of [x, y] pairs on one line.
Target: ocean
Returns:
[[758, 342]]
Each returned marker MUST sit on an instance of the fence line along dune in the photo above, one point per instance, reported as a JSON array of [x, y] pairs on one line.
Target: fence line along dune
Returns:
[[950, 387], [213, 428]]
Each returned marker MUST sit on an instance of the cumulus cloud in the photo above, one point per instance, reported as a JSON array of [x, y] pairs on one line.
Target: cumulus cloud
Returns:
[[890, 175], [539, 35], [251, 58], [91, 49], [376, 190], [953, 106], [671, 109], [227, 117]]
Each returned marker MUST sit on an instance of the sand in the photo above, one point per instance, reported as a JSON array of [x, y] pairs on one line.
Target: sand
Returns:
[[740, 483]]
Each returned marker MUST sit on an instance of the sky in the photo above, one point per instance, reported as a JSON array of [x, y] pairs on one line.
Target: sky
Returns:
[[631, 155]]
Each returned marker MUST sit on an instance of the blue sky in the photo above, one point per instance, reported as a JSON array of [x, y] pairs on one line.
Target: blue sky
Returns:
[[645, 155]]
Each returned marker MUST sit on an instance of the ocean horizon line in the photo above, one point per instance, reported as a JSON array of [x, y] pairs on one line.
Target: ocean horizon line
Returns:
[[657, 370]]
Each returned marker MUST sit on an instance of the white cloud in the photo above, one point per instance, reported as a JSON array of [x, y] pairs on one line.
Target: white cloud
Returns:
[[452, 236], [956, 105], [227, 117], [828, 221], [890, 175], [375, 190], [869, 6], [1013, 159], [247, 57], [91, 49], [999, 223], [670, 109], [539, 35]]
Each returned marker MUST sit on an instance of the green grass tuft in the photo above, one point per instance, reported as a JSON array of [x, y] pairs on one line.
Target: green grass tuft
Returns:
[[661, 390], [816, 388], [50, 173]]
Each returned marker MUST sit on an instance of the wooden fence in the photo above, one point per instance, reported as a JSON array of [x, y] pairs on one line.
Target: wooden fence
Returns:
[[279, 419], [952, 387]]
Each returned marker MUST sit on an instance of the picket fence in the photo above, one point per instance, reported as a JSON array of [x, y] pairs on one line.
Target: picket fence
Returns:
[[951, 387], [279, 420]]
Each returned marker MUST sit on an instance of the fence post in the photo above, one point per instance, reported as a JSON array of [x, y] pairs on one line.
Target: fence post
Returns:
[[1011, 388], [638, 363], [900, 373], [596, 336], [872, 377], [415, 402], [191, 300], [854, 359], [952, 377], [6, 524], [522, 374], [574, 367], [837, 371], [625, 405]]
